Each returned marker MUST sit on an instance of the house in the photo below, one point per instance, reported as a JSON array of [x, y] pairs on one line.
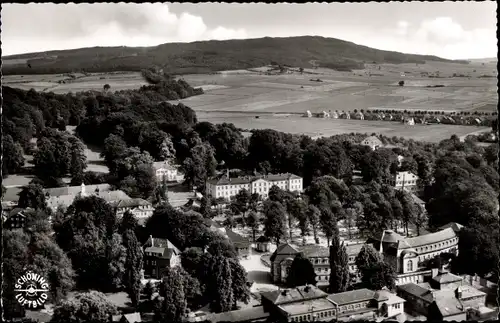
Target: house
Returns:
[[309, 303], [359, 116], [283, 256], [64, 196], [405, 180], [165, 171], [367, 304], [159, 254], [140, 208], [373, 142], [303, 303], [15, 218], [127, 318], [409, 121], [407, 255], [263, 244], [446, 297], [240, 243], [352, 252], [227, 187]]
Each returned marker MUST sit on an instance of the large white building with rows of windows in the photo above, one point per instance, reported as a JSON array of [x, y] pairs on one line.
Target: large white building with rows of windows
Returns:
[[229, 187]]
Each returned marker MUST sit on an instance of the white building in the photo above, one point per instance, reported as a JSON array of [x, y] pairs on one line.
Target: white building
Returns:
[[229, 187], [64, 196], [164, 170], [405, 180], [141, 209], [373, 142]]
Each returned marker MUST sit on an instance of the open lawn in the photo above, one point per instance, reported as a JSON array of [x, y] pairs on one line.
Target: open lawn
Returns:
[[329, 127]]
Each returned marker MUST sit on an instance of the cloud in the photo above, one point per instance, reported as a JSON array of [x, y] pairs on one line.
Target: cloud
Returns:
[[88, 25], [403, 27]]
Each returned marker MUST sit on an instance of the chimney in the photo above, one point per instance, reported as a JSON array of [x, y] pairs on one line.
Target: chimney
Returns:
[[434, 272], [82, 189], [381, 239], [227, 173], [152, 241], [307, 289], [284, 292]]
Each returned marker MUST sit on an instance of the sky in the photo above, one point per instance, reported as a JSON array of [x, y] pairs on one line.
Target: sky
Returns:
[[454, 30]]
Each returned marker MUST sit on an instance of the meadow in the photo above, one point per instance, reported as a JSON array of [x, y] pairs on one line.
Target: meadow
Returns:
[[240, 96]]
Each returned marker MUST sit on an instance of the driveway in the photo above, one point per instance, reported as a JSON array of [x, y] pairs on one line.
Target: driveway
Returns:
[[258, 273]]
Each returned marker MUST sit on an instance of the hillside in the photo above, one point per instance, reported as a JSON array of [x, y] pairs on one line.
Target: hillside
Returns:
[[209, 56]]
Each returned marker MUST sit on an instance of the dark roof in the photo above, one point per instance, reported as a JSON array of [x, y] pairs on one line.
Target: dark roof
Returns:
[[238, 240], [446, 277], [298, 294], [429, 238], [248, 314], [449, 306], [417, 291], [134, 202], [354, 249], [163, 246], [349, 297], [284, 251]]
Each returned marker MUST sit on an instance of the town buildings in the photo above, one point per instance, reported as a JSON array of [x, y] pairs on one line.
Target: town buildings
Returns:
[[407, 255], [227, 187], [373, 142], [240, 243], [309, 303], [140, 208], [283, 256], [15, 218], [159, 254], [445, 297]]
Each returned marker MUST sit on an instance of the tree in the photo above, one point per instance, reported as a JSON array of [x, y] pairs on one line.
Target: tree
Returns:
[[136, 174], [200, 165], [303, 221], [401, 83], [128, 222], [13, 159], [375, 273], [339, 267], [313, 215], [220, 284], [253, 223], [92, 306], [296, 208], [192, 289], [301, 272], [274, 221], [32, 196], [133, 266], [241, 202], [239, 286], [106, 87], [172, 302]]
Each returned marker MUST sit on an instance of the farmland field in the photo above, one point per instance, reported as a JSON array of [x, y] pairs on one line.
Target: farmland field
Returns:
[[315, 127], [239, 96]]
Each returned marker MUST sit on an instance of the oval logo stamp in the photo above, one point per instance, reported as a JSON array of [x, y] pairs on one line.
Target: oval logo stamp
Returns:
[[31, 290]]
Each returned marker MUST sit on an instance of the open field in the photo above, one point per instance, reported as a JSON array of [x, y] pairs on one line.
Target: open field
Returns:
[[328, 127]]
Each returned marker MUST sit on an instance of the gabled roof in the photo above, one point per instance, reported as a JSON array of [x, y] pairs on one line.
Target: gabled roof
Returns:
[[449, 306], [372, 140], [163, 246], [300, 293], [349, 297], [418, 291], [354, 249], [130, 318], [163, 164], [237, 240], [444, 277], [314, 250], [131, 203], [453, 225], [284, 251], [74, 190], [250, 179], [243, 315]]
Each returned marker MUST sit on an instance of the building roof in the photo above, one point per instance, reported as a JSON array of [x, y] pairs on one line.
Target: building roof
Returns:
[[163, 164], [390, 236], [247, 314], [354, 249], [372, 140], [416, 199], [430, 238], [352, 296], [314, 250], [321, 304], [11, 194], [448, 306], [444, 277], [74, 190], [250, 179], [298, 294], [469, 291], [283, 252], [389, 298], [163, 246], [113, 196], [455, 226], [418, 291], [131, 203], [131, 317], [237, 239]]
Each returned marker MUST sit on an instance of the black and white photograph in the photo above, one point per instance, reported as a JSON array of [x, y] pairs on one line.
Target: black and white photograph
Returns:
[[250, 162]]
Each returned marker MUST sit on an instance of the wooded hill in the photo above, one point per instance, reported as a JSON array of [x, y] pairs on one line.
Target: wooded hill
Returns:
[[210, 56]]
